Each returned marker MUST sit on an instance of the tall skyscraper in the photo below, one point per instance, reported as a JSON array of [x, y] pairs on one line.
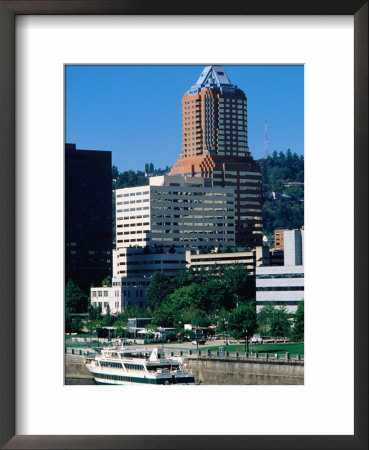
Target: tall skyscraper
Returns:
[[88, 216], [215, 146]]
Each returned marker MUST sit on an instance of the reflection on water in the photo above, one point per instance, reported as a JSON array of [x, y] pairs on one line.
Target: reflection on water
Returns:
[[79, 381]]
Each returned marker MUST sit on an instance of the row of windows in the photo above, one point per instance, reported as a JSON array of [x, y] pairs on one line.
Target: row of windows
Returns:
[[279, 303], [132, 194], [105, 304], [135, 224], [99, 293], [145, 200], [128, 293], [134, 366], [106, 293], [134, 232], [132, 209], [111, 364], [280, 288], [280, 275], [107, 376], [154, 261], [134, 217], [188, 192]]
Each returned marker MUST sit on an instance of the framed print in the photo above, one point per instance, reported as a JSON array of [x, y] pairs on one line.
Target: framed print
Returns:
[[38, 39]]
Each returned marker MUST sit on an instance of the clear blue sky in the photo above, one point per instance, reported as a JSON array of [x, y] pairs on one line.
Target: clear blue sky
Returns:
[[135, 111]]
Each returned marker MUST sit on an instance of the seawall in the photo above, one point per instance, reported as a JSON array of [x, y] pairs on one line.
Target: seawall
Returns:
[[220, 371], [75, 367], [227, 371]]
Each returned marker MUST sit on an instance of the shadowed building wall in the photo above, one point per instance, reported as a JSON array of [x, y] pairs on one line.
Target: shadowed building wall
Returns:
[[88, 216]]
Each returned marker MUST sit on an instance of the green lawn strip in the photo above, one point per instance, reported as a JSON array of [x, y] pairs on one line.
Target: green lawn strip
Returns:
[[281, 349], [71, 336]]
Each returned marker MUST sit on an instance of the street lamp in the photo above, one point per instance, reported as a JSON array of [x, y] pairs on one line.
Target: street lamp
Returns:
[[197, 338], [225, 326], [246, 341]]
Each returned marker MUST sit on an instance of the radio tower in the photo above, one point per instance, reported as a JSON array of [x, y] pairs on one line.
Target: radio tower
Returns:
[[266, 142]]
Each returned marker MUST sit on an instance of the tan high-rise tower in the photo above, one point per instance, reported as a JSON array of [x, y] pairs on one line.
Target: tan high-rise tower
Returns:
[[215, 145]]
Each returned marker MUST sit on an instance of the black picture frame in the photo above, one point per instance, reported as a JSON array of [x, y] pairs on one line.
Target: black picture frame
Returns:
[[8, 12]]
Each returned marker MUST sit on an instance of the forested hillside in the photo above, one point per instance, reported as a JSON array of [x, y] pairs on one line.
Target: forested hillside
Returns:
[[130, 178], [283, 203]]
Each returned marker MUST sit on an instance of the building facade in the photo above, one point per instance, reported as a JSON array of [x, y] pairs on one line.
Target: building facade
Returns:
[[279, 239], [254, 258], [284, 285], [178, 211], [215, 146], [132, 271], [88, 216]]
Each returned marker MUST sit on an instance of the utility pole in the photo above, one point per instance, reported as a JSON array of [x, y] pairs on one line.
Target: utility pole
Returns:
[[266, 141]]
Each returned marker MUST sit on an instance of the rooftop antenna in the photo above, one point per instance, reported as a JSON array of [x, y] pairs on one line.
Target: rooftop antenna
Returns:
[[266, 141]]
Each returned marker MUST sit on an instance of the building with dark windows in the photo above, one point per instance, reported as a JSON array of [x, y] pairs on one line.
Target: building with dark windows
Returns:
[[88, 216], [215, 146]]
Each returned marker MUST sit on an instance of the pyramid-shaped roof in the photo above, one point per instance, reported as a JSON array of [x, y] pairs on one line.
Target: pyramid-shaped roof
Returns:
[[213, 76]]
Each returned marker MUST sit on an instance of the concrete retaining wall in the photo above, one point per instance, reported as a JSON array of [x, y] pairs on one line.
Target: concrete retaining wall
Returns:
[[75, 367], [226, 371]]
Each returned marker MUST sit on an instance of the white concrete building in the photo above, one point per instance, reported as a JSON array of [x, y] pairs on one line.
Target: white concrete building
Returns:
[[257, 257], [104, 296], [175, 210], [283, 285]]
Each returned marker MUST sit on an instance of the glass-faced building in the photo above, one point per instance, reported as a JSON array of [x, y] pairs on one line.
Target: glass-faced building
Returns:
[[215, 146], [88, 216]]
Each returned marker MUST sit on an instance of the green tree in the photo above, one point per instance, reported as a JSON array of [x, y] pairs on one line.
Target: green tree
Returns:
[[235, 278], [76, 326], [108, 319], [297, 333], [163, 317], [114, 172], [75, 299], [280, 325], [160, 287], [105, 282], [242, 321], [265, 318], [184, 278], [223, 322], [185, 297]]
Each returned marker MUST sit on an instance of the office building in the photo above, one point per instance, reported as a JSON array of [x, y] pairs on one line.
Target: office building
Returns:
[[88, 216], [215, 146], [178, 211], [283, 285], [279, 239], [257, 257]]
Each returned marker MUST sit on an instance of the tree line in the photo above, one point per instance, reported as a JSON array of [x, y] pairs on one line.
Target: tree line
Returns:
[[222, 296], [286, 211]]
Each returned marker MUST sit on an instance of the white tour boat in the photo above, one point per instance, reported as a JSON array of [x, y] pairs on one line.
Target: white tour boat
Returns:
[[119, 365]]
